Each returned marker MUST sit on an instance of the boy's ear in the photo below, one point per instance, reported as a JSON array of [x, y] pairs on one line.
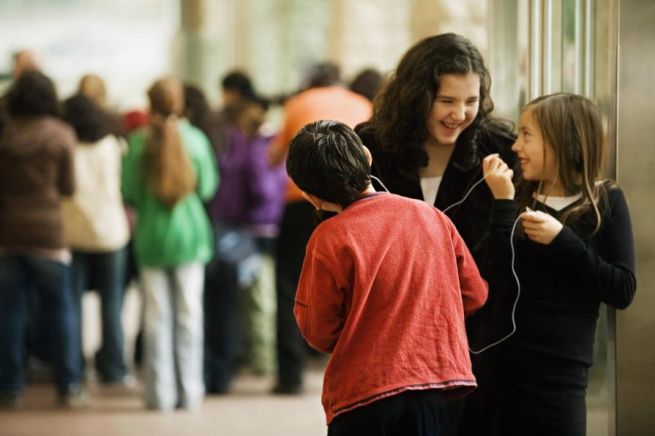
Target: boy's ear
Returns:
[[369, 156]]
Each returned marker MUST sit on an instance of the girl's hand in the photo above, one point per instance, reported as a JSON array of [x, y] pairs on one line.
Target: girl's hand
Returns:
[[499, 177], [541, 227]]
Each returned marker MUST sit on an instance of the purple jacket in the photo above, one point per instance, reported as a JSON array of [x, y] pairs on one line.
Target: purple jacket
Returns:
[[250, 192]]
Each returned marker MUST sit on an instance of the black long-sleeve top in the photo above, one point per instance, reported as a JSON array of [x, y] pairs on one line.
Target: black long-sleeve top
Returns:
[[561, 287]]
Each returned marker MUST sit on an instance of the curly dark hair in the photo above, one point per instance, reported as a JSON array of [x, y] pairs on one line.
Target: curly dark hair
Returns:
[[32, 95], [90, 121], [402, 106]]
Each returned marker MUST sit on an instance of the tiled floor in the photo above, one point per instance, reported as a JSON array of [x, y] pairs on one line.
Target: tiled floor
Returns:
[[248, 411]]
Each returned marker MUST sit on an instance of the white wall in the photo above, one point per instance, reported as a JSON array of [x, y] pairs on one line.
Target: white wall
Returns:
[[127, 42]]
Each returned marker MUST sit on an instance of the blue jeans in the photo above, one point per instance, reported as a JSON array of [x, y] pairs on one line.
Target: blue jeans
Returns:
[[104, 272], [51, 280]]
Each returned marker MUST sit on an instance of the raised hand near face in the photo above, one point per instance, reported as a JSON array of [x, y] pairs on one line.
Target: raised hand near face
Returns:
[[498, 177]]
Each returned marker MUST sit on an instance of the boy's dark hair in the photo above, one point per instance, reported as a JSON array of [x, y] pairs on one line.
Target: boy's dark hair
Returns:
[[327, 159], [32, 95]]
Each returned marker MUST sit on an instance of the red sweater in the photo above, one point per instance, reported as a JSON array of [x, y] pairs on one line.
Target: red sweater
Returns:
[[385, 287]]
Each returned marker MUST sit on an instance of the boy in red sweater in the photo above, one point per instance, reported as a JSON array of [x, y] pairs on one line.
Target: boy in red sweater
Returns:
[[385, 287]]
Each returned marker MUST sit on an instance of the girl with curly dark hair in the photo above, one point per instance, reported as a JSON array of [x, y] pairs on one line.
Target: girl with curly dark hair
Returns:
[[430, 130], [432, 126]]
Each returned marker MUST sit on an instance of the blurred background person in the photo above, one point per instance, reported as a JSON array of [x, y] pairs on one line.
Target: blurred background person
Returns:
[[199, 113], [235, 86], [323, 98], [367, 83], [131, 121], [220, 300], [265, 201], [240, 295], [25, 60], [39, 368], [97, 230], [22, 60], [93, 87], [36, 172], [168, 172]]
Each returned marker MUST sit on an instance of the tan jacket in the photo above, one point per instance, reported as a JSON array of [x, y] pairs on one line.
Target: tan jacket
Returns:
[[94, 218]]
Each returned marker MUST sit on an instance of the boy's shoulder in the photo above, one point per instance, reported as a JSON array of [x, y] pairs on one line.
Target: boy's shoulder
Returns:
[[386, 206], [387, 199], [408, 204]]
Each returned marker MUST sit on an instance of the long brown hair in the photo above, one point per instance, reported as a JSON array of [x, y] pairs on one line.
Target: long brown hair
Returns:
[[572, 126], [166, 165]]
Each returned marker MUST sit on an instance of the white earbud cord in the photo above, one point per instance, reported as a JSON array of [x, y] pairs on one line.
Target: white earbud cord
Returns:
[[516, 301], [465, 196], [380, 182], [516, 277]]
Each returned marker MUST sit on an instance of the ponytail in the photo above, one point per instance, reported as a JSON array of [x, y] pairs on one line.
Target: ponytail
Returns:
[[168, 171]]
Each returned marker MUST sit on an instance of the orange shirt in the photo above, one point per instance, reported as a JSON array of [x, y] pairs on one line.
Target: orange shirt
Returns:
[[324, 103]]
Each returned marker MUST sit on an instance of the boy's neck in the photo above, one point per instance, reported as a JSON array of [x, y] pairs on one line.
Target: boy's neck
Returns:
[[369, 190], [333, 207]]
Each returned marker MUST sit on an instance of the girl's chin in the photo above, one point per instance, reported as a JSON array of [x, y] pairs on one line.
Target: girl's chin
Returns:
[[449, 139]]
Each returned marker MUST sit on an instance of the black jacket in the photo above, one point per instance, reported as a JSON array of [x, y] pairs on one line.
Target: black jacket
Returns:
[[473, 217], [562, 286]]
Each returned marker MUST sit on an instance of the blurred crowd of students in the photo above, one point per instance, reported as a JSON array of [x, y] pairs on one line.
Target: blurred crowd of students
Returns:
[[191, 204]]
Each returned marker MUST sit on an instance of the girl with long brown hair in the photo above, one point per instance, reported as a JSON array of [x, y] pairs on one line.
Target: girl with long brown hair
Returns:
[[168, 172], [574, 250]]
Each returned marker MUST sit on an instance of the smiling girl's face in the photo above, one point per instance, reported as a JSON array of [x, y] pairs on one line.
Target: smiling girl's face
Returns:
[[536, 157], [455, 107]]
